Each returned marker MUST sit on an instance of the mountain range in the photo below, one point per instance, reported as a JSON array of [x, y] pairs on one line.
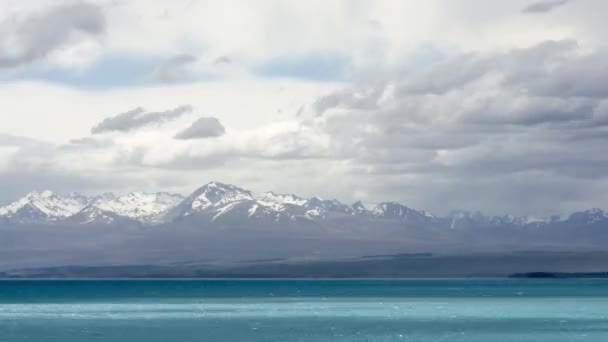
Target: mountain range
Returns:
[[218, 203], [225, 222]]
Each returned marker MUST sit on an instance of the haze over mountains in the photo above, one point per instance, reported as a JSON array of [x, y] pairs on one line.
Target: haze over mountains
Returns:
[[225, 222]]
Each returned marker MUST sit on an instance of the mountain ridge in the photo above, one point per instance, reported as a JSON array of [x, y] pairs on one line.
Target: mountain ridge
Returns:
[[217, 202]]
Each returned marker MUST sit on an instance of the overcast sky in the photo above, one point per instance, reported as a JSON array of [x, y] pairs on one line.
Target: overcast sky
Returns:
[[499, 106]]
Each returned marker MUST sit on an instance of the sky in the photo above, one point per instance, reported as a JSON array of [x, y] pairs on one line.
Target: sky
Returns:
[[441, 105]]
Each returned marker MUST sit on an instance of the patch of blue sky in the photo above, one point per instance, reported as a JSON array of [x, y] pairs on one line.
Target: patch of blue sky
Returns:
[[110, 72], [317, 68]]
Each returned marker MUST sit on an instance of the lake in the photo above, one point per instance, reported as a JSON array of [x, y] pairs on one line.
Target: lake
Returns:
[[304, 310]]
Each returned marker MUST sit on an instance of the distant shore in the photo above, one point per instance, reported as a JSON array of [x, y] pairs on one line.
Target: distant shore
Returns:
[[545, 265], [560, 275]]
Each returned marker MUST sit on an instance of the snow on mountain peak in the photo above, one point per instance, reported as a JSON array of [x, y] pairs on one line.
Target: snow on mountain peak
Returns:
[[44, 194], [280, 202], [141, 206], [389, 208], [45, 204], [216, 194], [394, 210]]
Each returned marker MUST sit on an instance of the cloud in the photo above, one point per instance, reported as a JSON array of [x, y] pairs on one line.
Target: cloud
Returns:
[[137, 118], [30, 38], [202, 128], [175, 69], [478, 126], [544, 6], [88, 143], [222, 60], [15, 140], [326, 67], [12, 146]]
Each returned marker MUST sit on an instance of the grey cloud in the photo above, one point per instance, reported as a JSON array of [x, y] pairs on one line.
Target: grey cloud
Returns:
[[362, 97], [328, 101], [454, 73], [600, 114], [83, 141], [549, 69], [529, 110], [30, 38], [375, 24], [544, 6], [480, 130], [175, 69], [202, 128], [137, 118], [520, 67], [88, 143], [184, 161], [222, 60]]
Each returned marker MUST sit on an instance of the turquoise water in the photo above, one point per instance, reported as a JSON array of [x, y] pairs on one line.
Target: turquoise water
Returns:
[[298, 310]]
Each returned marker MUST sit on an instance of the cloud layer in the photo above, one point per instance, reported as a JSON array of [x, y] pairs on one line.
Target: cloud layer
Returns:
[[502, 122]]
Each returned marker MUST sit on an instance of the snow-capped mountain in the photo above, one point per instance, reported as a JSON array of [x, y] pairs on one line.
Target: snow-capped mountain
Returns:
[[49, 207], [216, 195], [396, 211], [44, 206], [140, 206], [147, 208], [211, 201], [93, 215], [219, 202], [225, 204]]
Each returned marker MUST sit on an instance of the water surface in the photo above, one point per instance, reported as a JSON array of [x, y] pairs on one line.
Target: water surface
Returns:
[[304, 310]]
